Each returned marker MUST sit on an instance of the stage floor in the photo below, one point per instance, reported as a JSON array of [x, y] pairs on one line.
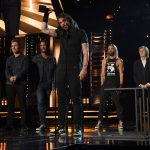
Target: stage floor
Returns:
[[107, 135]]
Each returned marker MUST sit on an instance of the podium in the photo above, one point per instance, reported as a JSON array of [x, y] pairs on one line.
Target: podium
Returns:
[[142, 110]]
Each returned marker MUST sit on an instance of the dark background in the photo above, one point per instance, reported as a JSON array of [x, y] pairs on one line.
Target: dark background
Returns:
[[130, 25], [130, 30]]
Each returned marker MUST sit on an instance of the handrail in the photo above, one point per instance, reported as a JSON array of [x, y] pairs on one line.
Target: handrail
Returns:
[[120, 89], [142, 114]]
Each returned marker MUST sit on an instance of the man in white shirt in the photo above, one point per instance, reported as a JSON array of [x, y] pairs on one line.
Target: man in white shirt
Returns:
[[141, 68]]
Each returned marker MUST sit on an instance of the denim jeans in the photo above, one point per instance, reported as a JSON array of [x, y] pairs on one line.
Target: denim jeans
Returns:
[[42, 95]]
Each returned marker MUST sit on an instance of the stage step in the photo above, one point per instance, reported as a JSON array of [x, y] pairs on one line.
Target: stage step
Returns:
[[31, 19]]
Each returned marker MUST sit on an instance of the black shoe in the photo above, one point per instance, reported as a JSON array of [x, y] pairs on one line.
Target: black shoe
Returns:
[[62, 131], [9, 128], [24, 129]]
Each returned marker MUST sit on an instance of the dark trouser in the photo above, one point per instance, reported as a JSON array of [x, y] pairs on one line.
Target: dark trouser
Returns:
[[69, 87], [12, 91], [42, 95], [115, 96]]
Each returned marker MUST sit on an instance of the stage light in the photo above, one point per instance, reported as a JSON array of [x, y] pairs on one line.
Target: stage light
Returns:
[[30, 5], [109, 17]]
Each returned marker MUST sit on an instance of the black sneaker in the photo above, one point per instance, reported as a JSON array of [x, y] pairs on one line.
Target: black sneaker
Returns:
[[24, 130], [62, 131], [9, 128], [77, 131]]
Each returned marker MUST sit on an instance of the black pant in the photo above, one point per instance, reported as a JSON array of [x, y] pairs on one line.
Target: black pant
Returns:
[[12, 91], [69, 87], [115, 96]]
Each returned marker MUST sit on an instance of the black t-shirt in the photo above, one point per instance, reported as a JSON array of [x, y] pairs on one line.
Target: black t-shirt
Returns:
[[71, 46], [44, 77], [111, 74]]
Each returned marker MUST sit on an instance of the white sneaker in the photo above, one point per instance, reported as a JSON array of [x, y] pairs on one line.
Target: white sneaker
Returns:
[[77, 132], [62, 132], [99, 123], [42, 127], [120, 125]]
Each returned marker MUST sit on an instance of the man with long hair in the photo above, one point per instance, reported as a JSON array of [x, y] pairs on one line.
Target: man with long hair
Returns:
[[71, 69], [111, 77], [45, 65]]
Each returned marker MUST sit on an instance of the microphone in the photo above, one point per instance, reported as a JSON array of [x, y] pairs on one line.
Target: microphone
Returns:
[[44, 9]]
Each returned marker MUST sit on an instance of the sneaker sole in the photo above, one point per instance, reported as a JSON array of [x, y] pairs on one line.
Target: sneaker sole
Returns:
[[63, 134], [120, 127]]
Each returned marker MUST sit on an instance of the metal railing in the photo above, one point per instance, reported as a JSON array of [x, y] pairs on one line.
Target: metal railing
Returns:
[[142, 109]]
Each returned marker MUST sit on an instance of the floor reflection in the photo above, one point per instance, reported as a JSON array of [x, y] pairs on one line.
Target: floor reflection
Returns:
[[31, 140]]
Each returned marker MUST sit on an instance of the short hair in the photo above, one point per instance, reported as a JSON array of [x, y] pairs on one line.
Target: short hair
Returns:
[[146, 49], [14, 40]]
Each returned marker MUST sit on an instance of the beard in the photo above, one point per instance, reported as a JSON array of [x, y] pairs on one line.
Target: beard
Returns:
[[16, 52], [111, 53], [43, 50], [66, 28]]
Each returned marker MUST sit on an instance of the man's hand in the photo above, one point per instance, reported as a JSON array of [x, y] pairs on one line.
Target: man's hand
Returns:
[[143, 86], [83, 73], [12, 79], [147, 85], [50, 10]]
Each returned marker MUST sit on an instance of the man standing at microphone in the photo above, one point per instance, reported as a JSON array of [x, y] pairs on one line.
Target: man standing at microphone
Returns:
[[71, 69]]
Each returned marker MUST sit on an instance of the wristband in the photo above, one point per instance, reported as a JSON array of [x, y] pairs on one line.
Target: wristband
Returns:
[[45, 18]]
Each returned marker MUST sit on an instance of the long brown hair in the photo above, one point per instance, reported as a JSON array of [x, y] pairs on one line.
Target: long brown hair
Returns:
[[73, 23], [115, 51]]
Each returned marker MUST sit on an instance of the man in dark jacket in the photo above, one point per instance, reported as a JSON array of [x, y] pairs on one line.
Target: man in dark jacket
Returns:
[[141, 76], [45, 65], [15, 71], [141, 68]]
